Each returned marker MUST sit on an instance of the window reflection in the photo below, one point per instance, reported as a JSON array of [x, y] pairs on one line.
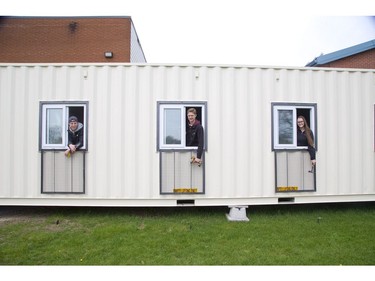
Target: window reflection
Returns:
[[54, 126], [285, 127], [172, 134]]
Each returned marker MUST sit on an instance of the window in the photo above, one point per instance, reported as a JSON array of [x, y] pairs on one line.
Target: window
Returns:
[[54, 123], [176, 144], [173, 123], [294, 172], [284, 127]]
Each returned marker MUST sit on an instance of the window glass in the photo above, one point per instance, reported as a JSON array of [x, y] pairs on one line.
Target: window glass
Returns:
[[54, 123], [54, 126], [172, 130], [285, 126], [285, 123], [173, 123]]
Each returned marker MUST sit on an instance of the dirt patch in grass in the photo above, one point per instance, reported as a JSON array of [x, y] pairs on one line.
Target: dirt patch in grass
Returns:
[[21, 214], [39, 218]]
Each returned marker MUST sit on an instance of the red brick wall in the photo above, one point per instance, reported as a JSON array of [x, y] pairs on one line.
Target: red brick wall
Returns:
[[362, 60], [64, 39]]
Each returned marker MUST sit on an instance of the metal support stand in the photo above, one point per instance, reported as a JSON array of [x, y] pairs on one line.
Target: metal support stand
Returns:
[[237, 213]]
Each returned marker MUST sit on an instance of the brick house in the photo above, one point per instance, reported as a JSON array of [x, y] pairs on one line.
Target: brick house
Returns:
[[358, 56], [69, 40]]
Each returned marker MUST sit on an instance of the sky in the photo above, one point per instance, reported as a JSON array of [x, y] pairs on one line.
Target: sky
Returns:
[[230, 32]]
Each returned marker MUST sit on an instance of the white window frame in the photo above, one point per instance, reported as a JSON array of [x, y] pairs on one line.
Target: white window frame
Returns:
[[44, 145], [162, 129], [182, 106], [277, 107]]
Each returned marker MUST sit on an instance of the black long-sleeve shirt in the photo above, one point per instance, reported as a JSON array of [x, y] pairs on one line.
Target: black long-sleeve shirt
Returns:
[[302, 141], [195, 137], [76, 137]]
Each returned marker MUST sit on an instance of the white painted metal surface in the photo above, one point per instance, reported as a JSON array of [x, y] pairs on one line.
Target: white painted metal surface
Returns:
[[136, 52], [122, 160]]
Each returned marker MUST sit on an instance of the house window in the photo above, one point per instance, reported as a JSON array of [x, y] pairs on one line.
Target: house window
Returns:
[[54, 123], [61, 173], [294, 172], [179, 174], [284, 128], [173, 122]]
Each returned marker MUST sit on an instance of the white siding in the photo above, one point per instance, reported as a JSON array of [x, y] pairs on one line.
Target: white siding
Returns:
[[122, 161], [136, 52]]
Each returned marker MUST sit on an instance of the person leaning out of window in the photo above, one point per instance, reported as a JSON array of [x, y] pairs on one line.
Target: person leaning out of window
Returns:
[[195, 134], [305, 137], [75, 136]]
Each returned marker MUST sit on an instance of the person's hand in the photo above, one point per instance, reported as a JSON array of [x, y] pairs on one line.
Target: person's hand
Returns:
[[313, 162], [67, 152], [199, 161], [72, 148]]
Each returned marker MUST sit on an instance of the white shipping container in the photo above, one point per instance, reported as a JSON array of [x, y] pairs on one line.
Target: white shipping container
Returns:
[[131, 111]]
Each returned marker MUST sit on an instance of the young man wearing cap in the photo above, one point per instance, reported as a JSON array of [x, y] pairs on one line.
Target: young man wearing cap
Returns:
[[75, 135]]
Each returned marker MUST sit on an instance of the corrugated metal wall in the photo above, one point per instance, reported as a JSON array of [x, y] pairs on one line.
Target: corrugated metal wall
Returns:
[[122, 161]]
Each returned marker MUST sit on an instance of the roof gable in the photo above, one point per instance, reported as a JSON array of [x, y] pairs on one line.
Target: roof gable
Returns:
[[323, 59]]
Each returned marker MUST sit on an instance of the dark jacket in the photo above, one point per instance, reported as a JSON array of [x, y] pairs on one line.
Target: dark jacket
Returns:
[[195, 137], [302, 141], [76, 137]]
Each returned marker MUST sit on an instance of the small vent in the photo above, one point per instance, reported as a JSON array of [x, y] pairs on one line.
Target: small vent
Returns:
[[286, 200], [186, 202], [73, 26]]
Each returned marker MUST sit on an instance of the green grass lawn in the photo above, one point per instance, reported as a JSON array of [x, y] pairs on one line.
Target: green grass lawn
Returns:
[[329, 234]]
